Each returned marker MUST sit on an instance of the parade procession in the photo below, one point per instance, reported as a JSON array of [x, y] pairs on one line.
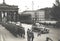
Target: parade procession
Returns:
[[29, 20]]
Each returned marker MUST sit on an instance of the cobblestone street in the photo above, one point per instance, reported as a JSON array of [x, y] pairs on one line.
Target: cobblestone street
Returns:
[[5, 35]]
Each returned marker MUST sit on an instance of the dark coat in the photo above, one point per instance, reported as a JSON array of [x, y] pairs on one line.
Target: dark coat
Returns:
[[28, 34], [32, 34]]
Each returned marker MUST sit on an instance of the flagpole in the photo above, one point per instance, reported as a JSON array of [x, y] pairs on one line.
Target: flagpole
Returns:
[[32, 5]]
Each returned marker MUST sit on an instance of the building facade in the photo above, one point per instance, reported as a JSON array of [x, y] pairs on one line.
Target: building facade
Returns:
[[8, 12], [43, 14], [40, 15], [30, 12]]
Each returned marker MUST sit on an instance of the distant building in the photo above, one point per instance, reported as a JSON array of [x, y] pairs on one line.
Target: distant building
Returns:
[[43, 14], [48, 16], [25, 18], [30, 12], [8, 12], [40, 15]]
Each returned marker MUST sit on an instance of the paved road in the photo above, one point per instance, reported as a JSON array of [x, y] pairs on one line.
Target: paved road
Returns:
[[5, 35], [54, 34]]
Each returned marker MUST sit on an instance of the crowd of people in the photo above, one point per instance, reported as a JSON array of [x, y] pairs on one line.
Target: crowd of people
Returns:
[[30, 35]]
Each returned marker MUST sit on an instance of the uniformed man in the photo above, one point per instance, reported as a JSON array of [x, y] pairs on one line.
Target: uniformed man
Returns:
[[28, 35]]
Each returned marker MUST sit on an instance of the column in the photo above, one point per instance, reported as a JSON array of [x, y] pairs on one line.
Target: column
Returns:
[[0, 17], [2, 14], [14, 16], [5, 16]]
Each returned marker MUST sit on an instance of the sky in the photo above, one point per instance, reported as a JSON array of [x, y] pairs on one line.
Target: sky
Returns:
[[27, 4]]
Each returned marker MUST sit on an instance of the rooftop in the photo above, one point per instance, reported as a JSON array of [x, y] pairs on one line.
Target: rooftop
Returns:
[[6, 5], [45, 8]]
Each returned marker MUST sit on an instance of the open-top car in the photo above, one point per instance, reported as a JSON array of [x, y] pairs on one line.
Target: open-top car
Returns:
[[42, 28]]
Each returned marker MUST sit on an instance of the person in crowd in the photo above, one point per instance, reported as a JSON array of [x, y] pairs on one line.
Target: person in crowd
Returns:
[[32, 35], [47, 39], [19, 32], [23, 33], [39, 33], [28, 35]]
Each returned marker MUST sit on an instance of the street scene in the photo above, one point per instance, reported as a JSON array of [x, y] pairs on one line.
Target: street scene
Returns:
[[5, 35], [30, 20]]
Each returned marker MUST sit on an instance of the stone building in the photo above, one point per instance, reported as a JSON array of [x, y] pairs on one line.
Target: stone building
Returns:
[[40, 15], [43, 14], [8, 12]]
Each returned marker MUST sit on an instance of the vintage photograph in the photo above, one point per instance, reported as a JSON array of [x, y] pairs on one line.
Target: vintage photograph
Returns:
[[29, 20]]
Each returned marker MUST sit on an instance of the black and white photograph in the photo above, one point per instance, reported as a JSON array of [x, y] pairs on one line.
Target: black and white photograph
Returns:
[[29, 20]]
